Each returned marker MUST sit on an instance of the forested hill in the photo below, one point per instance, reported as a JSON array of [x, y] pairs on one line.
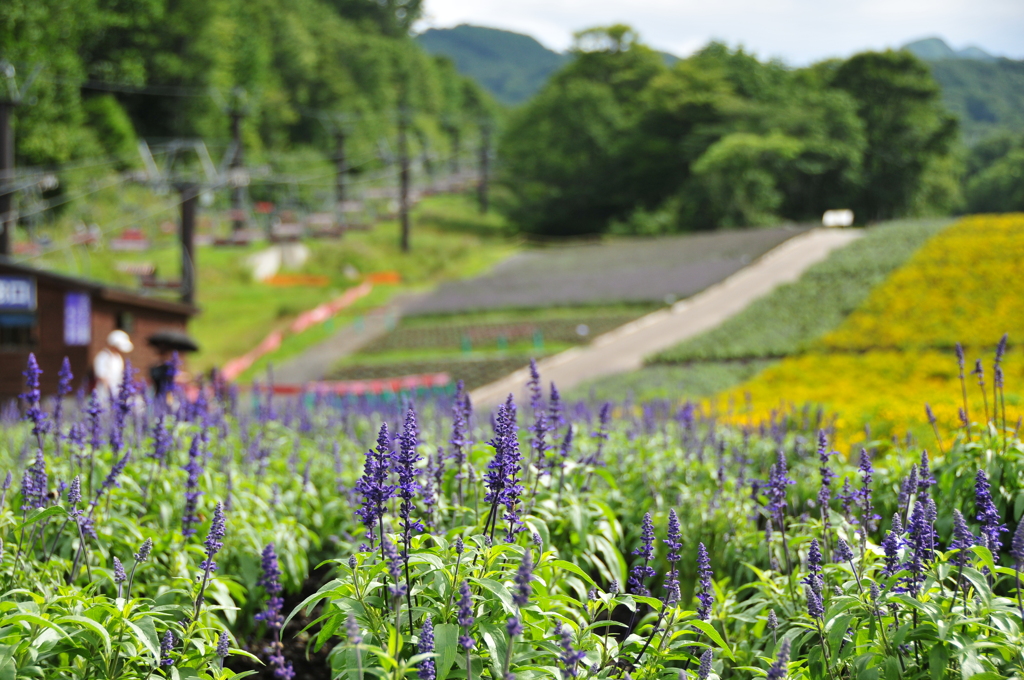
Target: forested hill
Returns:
[[512, 66], [110, 72], [985, 92]]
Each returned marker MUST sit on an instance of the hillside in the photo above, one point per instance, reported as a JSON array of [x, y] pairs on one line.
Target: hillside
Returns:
[[510, 65], [985, 92]]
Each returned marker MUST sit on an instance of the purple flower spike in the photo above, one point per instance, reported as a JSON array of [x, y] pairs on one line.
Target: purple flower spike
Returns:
[[705, 665], [988, 514], [194, 468], [524, 588], [706, 593], [963, 539], [569, 658], [780, 669], [214, 539], [33, 398], [1017, 545], [639, 573], [373, 486], [167, 643], [465, 615], [428, 668]]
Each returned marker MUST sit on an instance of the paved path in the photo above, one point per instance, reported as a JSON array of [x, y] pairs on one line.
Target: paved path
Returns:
[[625, 348], [317, 361]]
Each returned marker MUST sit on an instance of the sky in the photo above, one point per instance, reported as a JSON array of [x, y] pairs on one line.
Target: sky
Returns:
[[798, 32]]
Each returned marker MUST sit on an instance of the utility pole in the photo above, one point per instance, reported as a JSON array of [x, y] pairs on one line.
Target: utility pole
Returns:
[[7, 218], [340, 166], [237, 113], [189, 201], [485, 160], [12, 98], [403, 175]]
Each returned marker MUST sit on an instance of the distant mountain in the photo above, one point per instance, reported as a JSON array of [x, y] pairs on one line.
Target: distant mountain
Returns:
[[985, 92], [936, 49], [512, 66]]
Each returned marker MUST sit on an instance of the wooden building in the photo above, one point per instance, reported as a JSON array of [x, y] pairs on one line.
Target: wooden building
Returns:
[[56, 316]]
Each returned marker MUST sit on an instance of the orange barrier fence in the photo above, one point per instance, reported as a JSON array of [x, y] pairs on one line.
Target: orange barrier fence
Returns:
[[357, 388]]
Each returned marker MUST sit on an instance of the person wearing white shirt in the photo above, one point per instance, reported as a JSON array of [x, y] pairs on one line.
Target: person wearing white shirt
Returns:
[[108, 366]]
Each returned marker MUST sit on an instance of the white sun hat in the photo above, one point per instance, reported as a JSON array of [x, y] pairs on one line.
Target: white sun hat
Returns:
[[119, 340]]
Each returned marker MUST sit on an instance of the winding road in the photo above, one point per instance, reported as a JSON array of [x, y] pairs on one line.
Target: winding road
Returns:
[[625, 348]]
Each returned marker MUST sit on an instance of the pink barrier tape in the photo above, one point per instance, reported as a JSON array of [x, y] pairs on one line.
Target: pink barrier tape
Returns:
[[406, 383], [235, 367]]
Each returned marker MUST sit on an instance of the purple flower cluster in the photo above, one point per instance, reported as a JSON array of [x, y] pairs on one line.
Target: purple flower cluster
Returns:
[[34, 485], [215, 538], [403, 462], [33, 400], [428, 667], [569, 658], [270, 580], [988, 514], [963, 539], [524, 576], [705, 592], [502, 476], [373, 485], [674, 541], [465, 616], [642, 571], [194, 468]]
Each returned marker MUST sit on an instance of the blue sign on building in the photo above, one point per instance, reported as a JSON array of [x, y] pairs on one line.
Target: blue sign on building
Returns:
[[77, 319], [17, 294]]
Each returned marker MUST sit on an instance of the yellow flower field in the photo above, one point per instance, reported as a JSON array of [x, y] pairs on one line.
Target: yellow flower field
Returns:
[[895, 353]]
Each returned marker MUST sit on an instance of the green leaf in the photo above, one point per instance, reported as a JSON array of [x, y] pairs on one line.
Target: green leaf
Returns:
[[88, 623], [710, 631], [938, 659], [446, 644], [40, 515], [145, 630], [569, 566], [838, 631], [499, 590]]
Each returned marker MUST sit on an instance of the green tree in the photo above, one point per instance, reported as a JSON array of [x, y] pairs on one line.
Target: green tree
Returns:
[[905, 125]]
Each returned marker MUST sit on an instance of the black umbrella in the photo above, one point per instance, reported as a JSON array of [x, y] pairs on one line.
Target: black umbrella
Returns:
[[170, 340]]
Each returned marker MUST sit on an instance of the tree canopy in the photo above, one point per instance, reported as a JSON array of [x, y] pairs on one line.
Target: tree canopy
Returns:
[[619, 141]]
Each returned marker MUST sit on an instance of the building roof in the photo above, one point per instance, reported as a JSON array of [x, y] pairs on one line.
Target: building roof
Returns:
[[99, 289]]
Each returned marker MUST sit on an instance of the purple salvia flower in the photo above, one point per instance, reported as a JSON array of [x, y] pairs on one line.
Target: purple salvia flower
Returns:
[[373, 486], [847, 496], [1017, 545], [35, 485], [119, 574], [555, 408], [162, 440], [778, 480], [674, 542], [167, 643], [843, 553], [540, 419], [465, 615], [404, 462], [780, 669], [64, 378], [814, 560], [394, 562], [524, 575], [869, 519], [144, 550], [601, 434], [773, 620], [815, 607], [891, 545], [194, 468], [110, 481], [569, 658], [988, 514], [704, 670], [33, 399], [511, 488], [642, 571], [428, 668], [95, 411], [214, 539], [963, 539], [223, 644], [122, 407], [705, 593], [925, 479], [920, 541], [514, 626]]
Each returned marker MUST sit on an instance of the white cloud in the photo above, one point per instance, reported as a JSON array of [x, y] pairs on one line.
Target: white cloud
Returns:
[[797, 31]]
